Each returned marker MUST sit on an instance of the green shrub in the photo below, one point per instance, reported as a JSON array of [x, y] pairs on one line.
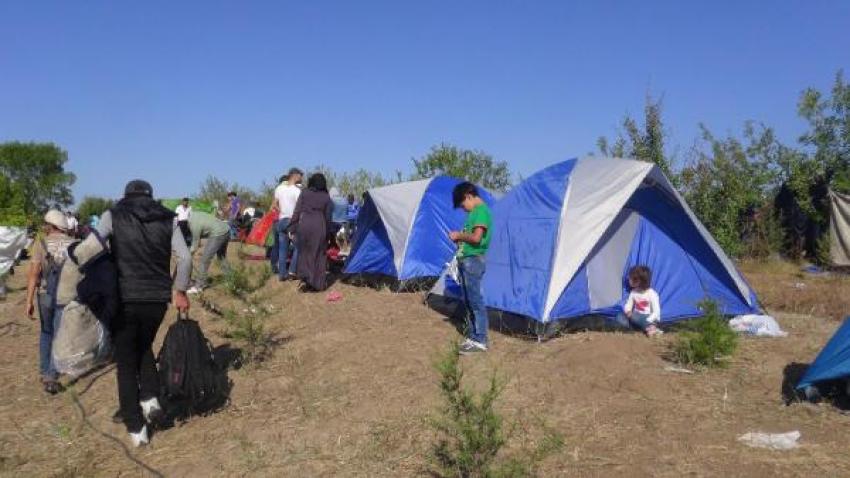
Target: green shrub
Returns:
[[239, 280], [706, 341], [249, 330], [469, 428], [471, 433]]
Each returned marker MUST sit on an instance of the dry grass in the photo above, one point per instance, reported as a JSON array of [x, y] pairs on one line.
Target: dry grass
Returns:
[[350, 393], [784, 287]]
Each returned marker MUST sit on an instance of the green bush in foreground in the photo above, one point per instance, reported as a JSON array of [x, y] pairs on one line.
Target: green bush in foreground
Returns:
[[471, 434], [706, 341], [239, 280], [248, 328]]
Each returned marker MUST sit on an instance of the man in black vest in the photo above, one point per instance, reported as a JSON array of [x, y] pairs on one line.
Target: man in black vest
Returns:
[[143, 236]]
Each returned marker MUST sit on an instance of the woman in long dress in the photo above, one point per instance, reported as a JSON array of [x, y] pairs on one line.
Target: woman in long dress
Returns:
[[311, 222]]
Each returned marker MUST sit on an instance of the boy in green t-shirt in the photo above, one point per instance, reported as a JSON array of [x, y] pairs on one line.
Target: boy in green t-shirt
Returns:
[[473, 241]]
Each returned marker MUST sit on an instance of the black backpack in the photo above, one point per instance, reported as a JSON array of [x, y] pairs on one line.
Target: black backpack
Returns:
[[192, 382]]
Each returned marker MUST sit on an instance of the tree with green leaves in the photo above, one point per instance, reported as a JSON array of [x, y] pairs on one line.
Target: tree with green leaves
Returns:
[[472, 165], [356, 182], [646, 143], [37, 172], [729, 179], [829, 129], [92, 206], [823, 164], [215, 189], [12, 204]]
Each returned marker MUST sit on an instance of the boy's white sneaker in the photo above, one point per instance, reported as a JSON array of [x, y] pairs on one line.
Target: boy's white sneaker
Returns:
[[140, 438], [151, 410], [472, 347]]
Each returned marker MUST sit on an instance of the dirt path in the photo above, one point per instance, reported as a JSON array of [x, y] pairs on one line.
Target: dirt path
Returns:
[[349, 390]]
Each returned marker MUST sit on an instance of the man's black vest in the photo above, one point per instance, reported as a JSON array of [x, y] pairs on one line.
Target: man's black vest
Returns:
[[141, 245]]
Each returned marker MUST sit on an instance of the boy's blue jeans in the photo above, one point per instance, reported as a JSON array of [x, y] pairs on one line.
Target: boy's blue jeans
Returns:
[[49, 327], [284, 244], [471, 273]]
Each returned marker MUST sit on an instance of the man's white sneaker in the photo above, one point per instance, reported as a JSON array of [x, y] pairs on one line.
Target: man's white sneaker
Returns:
[[140, 438], [151, 410], [472, 347]]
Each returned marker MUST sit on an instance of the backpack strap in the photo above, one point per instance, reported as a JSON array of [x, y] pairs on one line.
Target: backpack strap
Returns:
[[51, 262]]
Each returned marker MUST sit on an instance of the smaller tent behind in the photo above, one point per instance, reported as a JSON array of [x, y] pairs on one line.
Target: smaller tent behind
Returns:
[[833, 362], [402, 230]]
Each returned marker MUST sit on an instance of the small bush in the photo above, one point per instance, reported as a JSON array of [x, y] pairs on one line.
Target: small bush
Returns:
[[470, 431], [706, 341], [239, 280], [248, 328]]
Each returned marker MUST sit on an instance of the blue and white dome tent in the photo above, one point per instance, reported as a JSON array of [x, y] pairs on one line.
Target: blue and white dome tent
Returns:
[[402, 230], [564, 240]]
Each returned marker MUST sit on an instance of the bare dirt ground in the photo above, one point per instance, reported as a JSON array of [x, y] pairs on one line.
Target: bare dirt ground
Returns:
[[349, 389]]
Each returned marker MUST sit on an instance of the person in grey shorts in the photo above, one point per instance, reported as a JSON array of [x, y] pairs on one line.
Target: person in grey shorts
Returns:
[[216, 235]]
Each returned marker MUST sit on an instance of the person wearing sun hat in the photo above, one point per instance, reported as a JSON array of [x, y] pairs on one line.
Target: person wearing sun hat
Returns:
[[49, 253]]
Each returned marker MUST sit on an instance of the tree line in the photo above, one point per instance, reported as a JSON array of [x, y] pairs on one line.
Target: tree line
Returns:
[[757, 195]]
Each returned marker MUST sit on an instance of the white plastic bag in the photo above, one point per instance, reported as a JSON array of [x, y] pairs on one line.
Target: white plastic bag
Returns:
[[12, 241], [452, 270], [81, 343], [773, 441], [758, 325]]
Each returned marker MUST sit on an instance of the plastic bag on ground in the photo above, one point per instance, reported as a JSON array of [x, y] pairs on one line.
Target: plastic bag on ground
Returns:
[[773, 441], [758, 325], [81, 343]]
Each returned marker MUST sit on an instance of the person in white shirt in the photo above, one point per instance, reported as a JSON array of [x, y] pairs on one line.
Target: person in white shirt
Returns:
[[73, 224], [285, 197], [643, 307], [184, 212]]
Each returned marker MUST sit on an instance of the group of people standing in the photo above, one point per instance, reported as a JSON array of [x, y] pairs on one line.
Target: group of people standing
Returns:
[[302, 230], [143, 237]]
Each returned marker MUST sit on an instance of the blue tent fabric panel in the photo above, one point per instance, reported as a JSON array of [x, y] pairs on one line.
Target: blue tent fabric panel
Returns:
[[575, 300], [525, 228], [833, 361], [672, 221], [673, 275], [429, 247], [371, 251]]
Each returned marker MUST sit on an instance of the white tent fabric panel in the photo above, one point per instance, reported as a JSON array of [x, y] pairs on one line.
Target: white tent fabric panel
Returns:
[[398, 204], [597, 191], [606, 265], [658, 177]]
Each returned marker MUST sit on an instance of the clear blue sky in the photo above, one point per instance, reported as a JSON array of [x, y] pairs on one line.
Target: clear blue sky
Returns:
[[173, 91]]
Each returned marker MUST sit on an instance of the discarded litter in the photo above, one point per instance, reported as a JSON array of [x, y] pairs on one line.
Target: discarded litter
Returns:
[[671, 368], [758, 325], [772, 441], [334, 296]]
